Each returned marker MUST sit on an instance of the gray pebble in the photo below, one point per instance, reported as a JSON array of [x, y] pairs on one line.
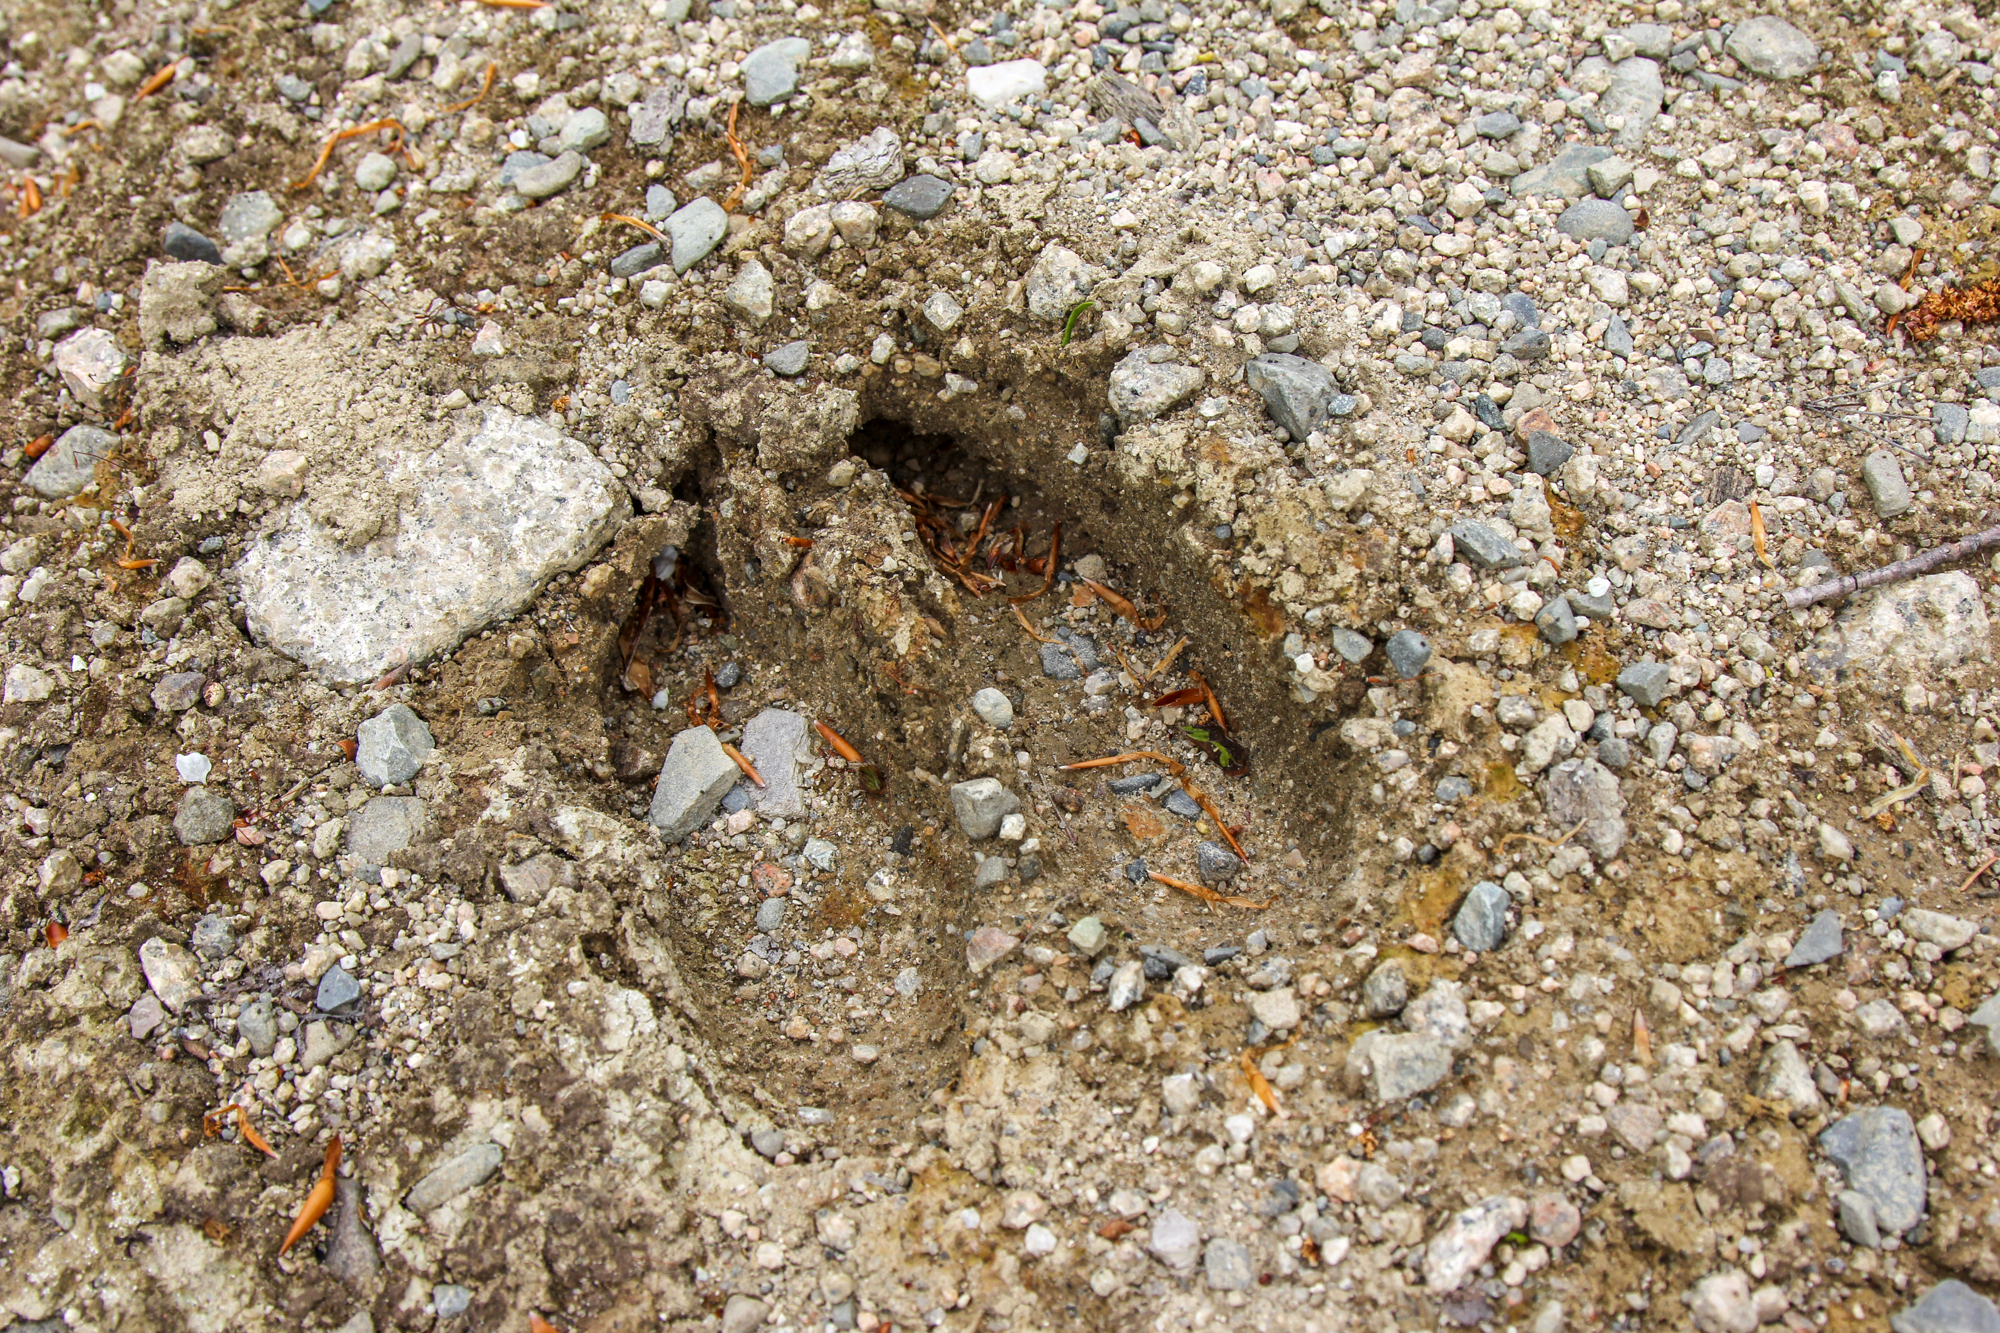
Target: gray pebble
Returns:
[[1547, 453], [178, 692], [1227, 1265], [391, 746], [1298, 393], [1557, 621], [771, 72], [1949, 422], [696, 229], [1352, 647], [1483, 547], [994, 708], [1452, 788], [1949, 1307], [1135, 784], [71, 463], [1408, 652], [637, 260], [1769, 46], [1883, 475], [1386, 991], [205, 816], [450, 1300], [1614, 752], [257, 1023], [980, 805], [549, 178], [585, 129], [921, 197], [1059, 664], [1618, 337], [1213, 861], [771, 915], [1819, 941], [213, 936], [337, 988], [375, 172], [659, 202], [468, 1170], [1645, 683], [1497, 125], [788, 359], [1180, 803], [1481, 923], [1591, 219], [1878, 1154], [184, 243], [992, 871]]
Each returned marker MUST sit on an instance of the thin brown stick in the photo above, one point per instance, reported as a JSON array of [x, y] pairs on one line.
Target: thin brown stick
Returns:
[[1203, 892], [651, 231], [1038, 638], [749, 769], [1984, 866], [742, 160], [1168, 660], [1894, 573], [485, 87]]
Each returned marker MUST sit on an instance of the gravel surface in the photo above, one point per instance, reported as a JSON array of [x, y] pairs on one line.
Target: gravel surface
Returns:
[[538, 649]]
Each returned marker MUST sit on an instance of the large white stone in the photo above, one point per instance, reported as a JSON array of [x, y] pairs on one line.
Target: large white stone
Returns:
[[1920, 628], [491, 516], [994, 86]]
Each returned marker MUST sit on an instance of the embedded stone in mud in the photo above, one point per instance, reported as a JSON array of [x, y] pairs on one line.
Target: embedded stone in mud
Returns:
[[491, 517]]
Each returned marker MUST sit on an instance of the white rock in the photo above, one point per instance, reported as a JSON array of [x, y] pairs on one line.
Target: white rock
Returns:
[[88, 361], [193, 768], [994, 86], [26, 685], [491, 516]]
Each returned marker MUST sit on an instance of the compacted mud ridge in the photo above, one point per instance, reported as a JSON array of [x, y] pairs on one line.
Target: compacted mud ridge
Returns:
[[1056, 666]]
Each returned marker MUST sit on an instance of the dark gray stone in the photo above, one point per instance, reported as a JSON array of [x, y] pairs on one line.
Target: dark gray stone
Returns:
[[205, 816], [1497, 125], [1298, 393], [637, 260], [1635, 93], [1614, 752], [1596, 219], [1949, 1307], [1618, 337], [1214, 862], [1527, 344], [1878, 1154], [1452, 788], [696, 228], [257, 1023], [771, 915], [1645, 683], [1484, 548], [1820, 941], [351, 1255], [1481, 923], [1227, 1265], [1180, 803], [1547, 453], [771, 72], [337, 989], [1409, 652], [1135, 784], [1557, 621], [184, 243], [1949, 421], [1060, 664], [1697, 430], [921, 197], [1522, 307]]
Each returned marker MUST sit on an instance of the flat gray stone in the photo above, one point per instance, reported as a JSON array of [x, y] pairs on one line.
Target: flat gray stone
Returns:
[[70, 464], [1176, 1240], [1227, 1265], [771, 72], [205, 816], [1635, 93], [980, 805], [391, 746], [1882, 473], [994, 708], [469, 1170], [697, 227], [1353, 647], [1548, 452], [1878, 1154], [1645, 683], [920, 197], [1940, 928], [1058, 663], [1298, 393], [1949, 422], [550, 178], [351, 1255], [584, 129], [178, 691], [1596, 219], [1143, 387], [1770, 47], [337, 988], [1820, 941], [385, 826], [1856, 1214], [1398, 1065], [788, 359], [182, 242], [771, 915], [631, 263], [490, 517], [776, 742], [1949, 1307], [1567, 175], [1409, 652], [1481, 923], [693, 778], [664, 108], [1484, 548]]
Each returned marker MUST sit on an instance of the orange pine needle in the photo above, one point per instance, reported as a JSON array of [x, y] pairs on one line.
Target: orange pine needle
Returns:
[[631, 221], [1115, 601], [1109, 760], [31, 197], [1203, 892], [749, 769], [803, 543], [1038, 638], [1642, 1039], [1258, 1083], [742, 157], [1214, 704], [840, 746], [485, 87], [211, 1125], [1757, 535], [326, 149], [318, 1201], [38, 446], [1049, 568], [55, 933], [537, 1324], [161, 78]]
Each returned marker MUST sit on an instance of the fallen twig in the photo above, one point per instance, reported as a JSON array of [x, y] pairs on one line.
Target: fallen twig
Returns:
[[1984, 866], [1900, 794], [1894, 573], [749, 769], [1203, 892], [1543, 842], [1038, 638]]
